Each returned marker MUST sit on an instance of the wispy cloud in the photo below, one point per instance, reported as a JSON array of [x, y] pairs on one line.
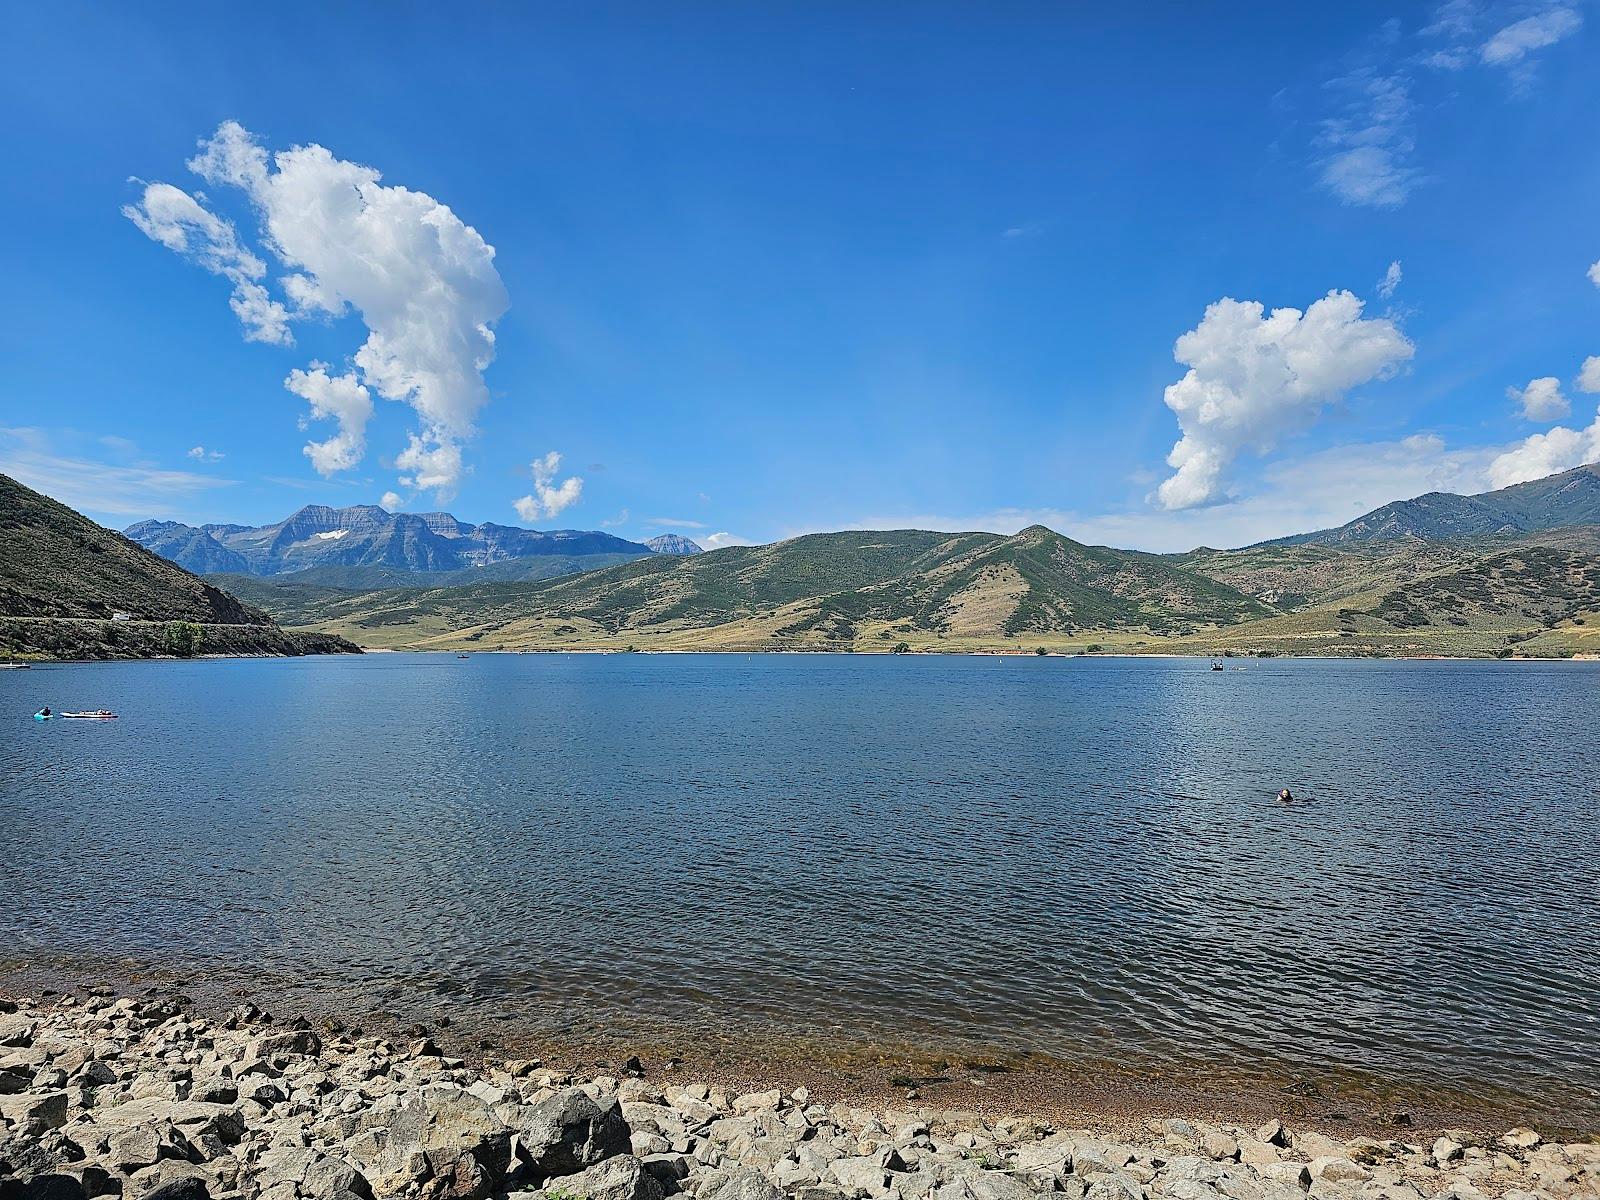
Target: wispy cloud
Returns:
[[1027, 229], [1365, 148], [548, 498], [675, 523], [33, 457], [1390, 283], [620, 519], [201, 454], [1514, 43]]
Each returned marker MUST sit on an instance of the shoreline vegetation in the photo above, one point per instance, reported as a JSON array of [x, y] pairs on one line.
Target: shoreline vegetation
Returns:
[[147, 1097], [43, 640]]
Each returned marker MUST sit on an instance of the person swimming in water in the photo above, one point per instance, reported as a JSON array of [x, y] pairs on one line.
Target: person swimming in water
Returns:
[[1285, 795]]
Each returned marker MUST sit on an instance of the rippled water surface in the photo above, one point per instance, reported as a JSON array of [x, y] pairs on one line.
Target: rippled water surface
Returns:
[[1074, 857]]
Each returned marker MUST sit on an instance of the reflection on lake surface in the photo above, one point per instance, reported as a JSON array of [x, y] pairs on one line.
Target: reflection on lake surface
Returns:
[[1080, 858]]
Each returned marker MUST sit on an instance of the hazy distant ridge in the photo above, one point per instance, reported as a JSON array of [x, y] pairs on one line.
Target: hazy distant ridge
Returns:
[[366, 536], [1555, 502]]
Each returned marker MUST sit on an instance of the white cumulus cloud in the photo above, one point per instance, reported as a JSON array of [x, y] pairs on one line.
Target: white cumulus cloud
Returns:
[[548, 497], [1390, 281], [422, 281], [340, 398], [179, 222], [1558, 449], [392, 501], [1541, 400], [1521, 38], [1253, 378], [1594, 274], [717, 541], [1589, 374]]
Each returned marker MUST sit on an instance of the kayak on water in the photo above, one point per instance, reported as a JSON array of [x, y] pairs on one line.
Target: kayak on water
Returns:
[[42, 715], [99, 714]]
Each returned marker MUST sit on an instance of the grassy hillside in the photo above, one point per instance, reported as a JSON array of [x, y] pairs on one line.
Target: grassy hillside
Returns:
[[64, 580], [843, 590], [1511, 593], [56, 563]]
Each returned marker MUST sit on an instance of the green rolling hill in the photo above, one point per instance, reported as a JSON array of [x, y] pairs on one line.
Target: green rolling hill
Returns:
[[1508, 572]]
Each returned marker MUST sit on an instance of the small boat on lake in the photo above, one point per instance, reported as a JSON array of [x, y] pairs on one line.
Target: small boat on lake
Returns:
[[1216, 666], [16, 666], [99, 714]]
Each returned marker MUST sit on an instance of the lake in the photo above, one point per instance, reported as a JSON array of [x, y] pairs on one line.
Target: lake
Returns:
[[1080, 859]]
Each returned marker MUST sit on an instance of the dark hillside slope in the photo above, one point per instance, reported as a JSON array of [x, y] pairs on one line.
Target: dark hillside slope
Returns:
[[71, 589], [56, 563]]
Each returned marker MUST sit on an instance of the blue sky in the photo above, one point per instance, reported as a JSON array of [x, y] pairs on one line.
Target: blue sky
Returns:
[[767, 269]]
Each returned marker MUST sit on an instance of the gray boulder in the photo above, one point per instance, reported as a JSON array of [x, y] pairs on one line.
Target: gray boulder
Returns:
[[571, 1132], [180, 1189], [48, 1109], [449, 1143], [312, 1174], [619, 1177], [743, 1185]]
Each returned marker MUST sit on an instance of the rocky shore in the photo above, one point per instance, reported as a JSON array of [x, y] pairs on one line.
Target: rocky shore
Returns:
[[104, 1096]]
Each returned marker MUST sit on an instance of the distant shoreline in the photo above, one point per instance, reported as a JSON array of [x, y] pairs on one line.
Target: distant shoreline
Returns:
[[1232, 659]]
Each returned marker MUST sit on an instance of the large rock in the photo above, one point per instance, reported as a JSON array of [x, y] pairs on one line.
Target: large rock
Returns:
[[311, 1174], [133, 1147], [285, 1041], [54, 1186], [1338, 1169], [446, 1141], [180, 1189], [860, 1175], [619, 1177], [743, 1184], [48, 1109], [570, 1132]]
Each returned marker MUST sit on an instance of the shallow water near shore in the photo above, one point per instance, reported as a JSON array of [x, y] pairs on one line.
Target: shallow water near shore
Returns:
[[1078, 860]]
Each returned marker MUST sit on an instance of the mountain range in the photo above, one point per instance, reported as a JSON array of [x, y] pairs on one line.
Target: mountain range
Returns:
[[1556, 501], [1513, 571], [367, 546], [1516, 571]]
